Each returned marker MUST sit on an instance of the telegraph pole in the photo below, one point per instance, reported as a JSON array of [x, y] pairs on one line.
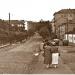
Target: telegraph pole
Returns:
[[67, 26], [9, 28], [9, 17], [9, 21]]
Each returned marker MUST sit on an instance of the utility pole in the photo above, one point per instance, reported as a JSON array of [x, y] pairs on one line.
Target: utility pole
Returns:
[[67, 26], [9, 29], [9, 17], [9, 21]]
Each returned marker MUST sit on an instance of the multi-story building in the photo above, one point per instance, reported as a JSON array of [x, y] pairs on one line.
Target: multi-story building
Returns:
[[64, 21]]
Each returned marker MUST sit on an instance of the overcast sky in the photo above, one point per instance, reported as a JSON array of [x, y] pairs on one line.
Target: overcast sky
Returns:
[[33, 9]]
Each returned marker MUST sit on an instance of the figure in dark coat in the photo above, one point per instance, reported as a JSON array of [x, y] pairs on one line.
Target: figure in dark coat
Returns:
[[47, 55]]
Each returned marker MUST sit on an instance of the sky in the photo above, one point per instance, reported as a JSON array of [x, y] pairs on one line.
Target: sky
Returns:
[[33, 10]]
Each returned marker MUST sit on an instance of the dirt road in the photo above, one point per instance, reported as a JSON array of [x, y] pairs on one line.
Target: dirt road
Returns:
[[40, 68], [20, 60], [17, 60]]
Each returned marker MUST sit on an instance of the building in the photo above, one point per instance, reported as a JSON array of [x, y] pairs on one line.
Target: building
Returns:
[[53, 26], [31, 25], [71, 36], [64, 21], [16, 25], [36, 25]]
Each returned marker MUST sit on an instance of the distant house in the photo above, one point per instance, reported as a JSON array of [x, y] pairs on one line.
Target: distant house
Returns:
[[31, 25], [16, 25]]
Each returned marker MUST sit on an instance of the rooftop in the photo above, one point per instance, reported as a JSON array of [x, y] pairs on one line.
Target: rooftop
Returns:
[[15, 21], [65, 11]]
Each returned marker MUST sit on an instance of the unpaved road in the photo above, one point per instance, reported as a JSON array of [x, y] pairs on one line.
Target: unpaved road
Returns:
[[20, 60], [17, 59]]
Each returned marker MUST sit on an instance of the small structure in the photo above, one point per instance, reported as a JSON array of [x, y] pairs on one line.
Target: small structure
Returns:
[[70, 36]]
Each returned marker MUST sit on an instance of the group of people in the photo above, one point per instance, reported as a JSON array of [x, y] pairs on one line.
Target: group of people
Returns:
[[50, 53]]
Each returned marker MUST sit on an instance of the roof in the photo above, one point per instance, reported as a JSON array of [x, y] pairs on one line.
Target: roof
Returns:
[[15, 21], [65, 11]]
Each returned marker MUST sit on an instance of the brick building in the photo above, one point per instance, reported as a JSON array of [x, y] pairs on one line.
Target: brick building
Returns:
[[64, 21]]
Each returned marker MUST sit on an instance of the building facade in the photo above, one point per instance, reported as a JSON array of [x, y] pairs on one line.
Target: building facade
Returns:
[[64, 21], [53, 26]]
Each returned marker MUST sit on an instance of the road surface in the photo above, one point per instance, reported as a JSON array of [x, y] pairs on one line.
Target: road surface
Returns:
[[16, 59], [20, 59]]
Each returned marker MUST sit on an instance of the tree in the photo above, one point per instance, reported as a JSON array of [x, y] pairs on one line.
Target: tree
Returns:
[[44, 32], [30, 32]]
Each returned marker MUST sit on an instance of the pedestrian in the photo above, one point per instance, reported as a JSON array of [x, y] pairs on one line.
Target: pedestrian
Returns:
[[55, 55], [41, 46], [47, 54]]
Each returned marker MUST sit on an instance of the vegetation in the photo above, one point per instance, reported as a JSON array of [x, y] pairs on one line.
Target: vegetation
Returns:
[[11, 35], [44, 28], [44, 32]]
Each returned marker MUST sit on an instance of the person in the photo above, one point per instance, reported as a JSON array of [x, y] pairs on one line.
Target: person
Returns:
[[41, 46], [55, 55], [47, 54]]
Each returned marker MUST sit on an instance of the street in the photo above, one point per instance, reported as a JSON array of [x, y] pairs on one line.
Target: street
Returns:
[[17, 58], [37, 37], [20, 59]]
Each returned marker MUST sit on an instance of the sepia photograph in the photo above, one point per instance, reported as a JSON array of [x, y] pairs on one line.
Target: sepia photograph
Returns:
[[37, 37]]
